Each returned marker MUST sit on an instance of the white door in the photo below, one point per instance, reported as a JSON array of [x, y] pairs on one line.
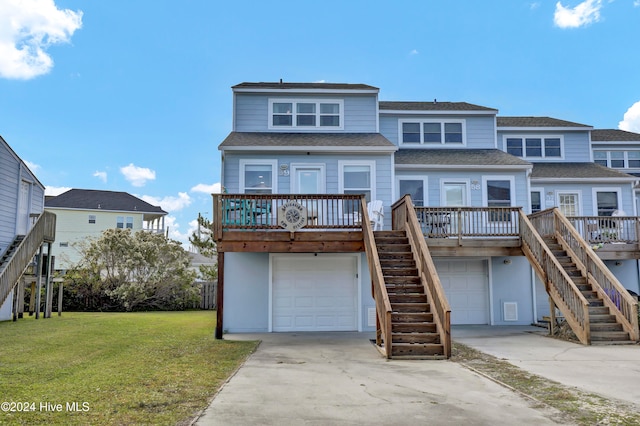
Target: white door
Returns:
[[22, 224], [454, 194], [314, 293], [466, 285], [308, 179], [569, 203]]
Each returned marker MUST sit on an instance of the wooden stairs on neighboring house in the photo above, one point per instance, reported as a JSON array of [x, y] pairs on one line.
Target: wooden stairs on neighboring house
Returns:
[[414, 333], [8, 253], [604, 327]]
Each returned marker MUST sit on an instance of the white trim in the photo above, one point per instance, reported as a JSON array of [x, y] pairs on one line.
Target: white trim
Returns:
[[436, 112], [512, 189], [302, 90], [250, 161], [577, 192], [315, 148], [585, 180], [594, 197], [466, 182], [442, 122], [545, 129], [542, 137], [372, 170], [425, 182], [294, 167], [357, 278], [317, 113], [460, 167]]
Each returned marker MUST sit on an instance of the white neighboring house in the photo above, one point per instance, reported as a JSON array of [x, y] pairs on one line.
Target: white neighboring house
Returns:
[[21, 204], [84, 214]]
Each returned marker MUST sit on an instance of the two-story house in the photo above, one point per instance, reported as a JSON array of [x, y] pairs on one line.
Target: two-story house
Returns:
[[84, 214], [24, 229], [298, 254]]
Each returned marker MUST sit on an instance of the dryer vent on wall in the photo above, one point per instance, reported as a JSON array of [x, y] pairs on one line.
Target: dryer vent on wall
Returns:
[[510, 311]]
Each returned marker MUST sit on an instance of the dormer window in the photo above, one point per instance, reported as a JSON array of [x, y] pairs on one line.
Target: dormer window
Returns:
[[534, 146], [305, 114], [432, 132]]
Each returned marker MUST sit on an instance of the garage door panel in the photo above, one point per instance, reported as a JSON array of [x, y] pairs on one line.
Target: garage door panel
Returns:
[[466, 286], [314, 294]]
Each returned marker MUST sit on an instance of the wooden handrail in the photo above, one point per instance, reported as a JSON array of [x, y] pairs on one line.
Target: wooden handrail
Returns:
[[607, 229], [404, 218], [378, 287], [615, 296], [465, 222], [558, 284], [44, 230]]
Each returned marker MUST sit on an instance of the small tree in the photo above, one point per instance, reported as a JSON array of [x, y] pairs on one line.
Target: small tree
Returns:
[[136, 271], [202, 239]]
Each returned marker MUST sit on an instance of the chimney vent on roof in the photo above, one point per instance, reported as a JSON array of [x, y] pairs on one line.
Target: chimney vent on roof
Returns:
[[280, 81], [435, 101]]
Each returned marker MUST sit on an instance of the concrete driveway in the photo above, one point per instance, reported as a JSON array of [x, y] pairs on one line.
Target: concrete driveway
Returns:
[[341, 379]]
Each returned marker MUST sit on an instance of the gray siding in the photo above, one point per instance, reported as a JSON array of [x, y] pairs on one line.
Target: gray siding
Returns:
[[507, 288], [252, 112]]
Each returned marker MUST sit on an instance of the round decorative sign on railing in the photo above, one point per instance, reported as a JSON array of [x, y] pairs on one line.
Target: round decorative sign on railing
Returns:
[[292, 216]]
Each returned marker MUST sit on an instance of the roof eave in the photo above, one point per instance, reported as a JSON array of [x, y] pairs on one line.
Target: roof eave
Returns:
[[543, 128], [436, 112], [305, 91], [310, 148]]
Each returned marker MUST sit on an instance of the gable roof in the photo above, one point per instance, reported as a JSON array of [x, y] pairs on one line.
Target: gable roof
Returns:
[[538, 122], [21, 161], [614, 135], [580, 171], [431, 106], [248, 86], [459, 157], [89, 199], [243, 141]]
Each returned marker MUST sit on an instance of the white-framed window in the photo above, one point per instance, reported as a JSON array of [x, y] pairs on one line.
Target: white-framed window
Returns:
[[124, 222], [258, 176], [306, 114], [412, 132], [619, 159], [498, 191], [356, 177], [92, 218], [535, 146], [606, 200], [569, 202], [415, 186], [64, 244], [537, 200]]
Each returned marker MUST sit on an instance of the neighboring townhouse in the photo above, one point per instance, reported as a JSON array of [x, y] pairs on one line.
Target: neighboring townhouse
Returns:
[[83, 215], [23, 227], [296, 254]]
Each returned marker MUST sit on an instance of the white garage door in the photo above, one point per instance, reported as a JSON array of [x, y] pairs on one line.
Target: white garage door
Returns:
[[466, 285], [314, 293]]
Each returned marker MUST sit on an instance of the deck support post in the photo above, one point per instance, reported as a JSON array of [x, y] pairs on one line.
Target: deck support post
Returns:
[[552, 316], [220, 296]]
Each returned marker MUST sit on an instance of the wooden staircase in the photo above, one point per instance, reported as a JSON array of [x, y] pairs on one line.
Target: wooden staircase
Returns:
[[604, 327], [414, 333], [8, 253]]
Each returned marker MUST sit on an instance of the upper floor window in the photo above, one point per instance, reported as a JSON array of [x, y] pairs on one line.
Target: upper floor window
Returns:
[[306, 114], [534, 146], [92, 218], [618, 159], [124, 222], [432, 132]]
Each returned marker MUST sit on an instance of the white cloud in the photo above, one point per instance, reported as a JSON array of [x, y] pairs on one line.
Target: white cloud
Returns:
[[584, 13], [32, 166], [215, 188], [169, 203], [27, 29], [534, 5], [631, 120], [173, 227], [636, 3], [101, 175], [138, 176], [55, 190], [413, 52]]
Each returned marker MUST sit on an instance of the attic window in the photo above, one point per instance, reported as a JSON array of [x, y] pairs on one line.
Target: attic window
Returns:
[[306, 113], [92, 218], [430, 132]]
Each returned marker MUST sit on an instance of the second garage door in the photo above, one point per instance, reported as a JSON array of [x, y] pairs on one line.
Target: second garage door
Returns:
[[314, 293], [466, 285]]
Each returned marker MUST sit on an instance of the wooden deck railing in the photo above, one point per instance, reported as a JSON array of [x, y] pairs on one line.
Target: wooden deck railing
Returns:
[[607, 229], [43, 230], [260, 211], [558, 284], [615, 296], [468, 222], [378, 287], [404, 217]]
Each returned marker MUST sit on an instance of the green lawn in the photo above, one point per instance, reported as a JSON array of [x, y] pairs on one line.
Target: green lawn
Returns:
[[118, 368]]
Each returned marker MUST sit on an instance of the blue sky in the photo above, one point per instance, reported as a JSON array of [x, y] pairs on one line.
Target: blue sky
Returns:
[[135, 95]]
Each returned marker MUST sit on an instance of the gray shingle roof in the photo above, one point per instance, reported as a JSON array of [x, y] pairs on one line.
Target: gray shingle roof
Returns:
[[614, 135], [431, 106], [458, 157], [89, 199], [287, 85], [306, 140], [576, 171], [536, 122]]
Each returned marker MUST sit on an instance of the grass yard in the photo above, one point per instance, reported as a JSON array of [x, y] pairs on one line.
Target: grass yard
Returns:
[[113, 368]]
